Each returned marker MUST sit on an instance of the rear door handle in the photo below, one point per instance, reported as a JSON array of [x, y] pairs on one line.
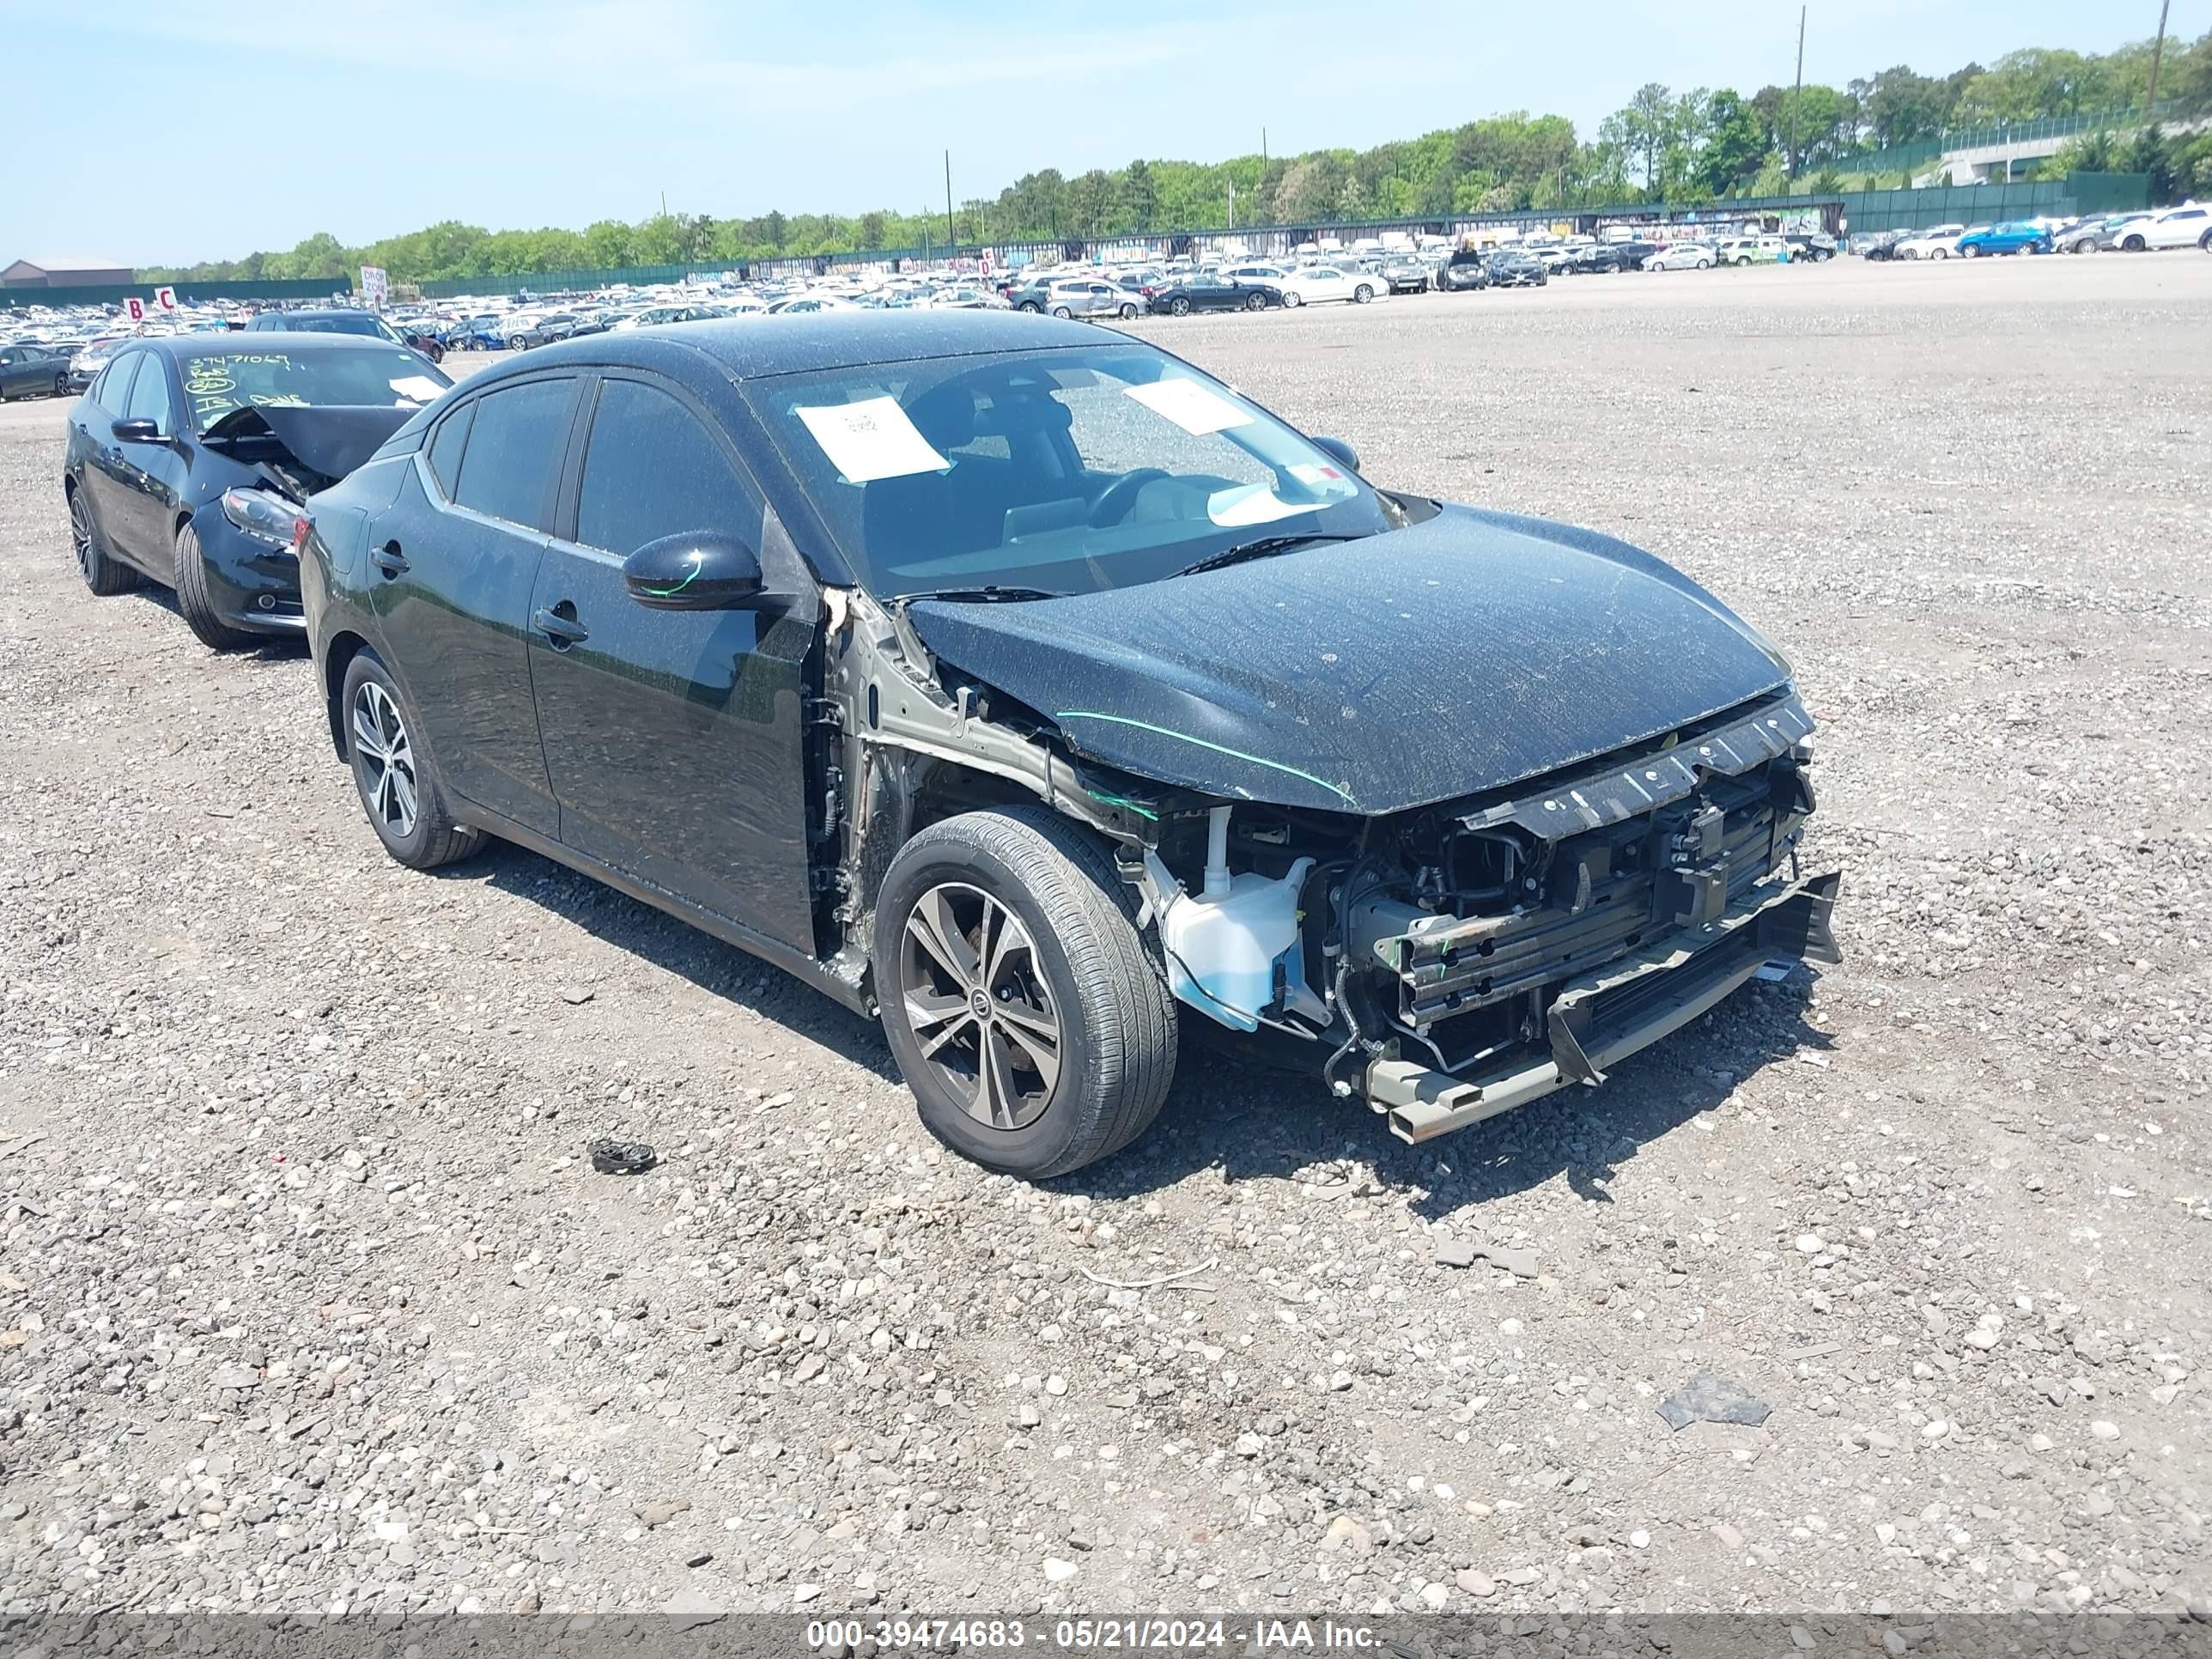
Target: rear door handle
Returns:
[[559, 625], [387, 559]]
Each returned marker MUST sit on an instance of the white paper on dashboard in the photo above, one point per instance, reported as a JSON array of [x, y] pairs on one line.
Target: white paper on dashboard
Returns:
[[1198, 410], [1245, 504], [420, 387], [871, 438]]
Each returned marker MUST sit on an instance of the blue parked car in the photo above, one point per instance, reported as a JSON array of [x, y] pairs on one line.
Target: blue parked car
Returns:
[[2021, 238]]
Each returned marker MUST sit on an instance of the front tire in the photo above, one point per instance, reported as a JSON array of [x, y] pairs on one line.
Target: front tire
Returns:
[[196, 604], [1972, 250], [517, 343], [1030, 306], [1127, 311], [104, 574], [1061, 310], [2134, 244], [1256, 302], [393, 774], [1023, 1007], [1293, 298]]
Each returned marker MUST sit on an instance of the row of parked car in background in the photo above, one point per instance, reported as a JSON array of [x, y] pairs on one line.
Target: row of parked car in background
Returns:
[[54, 353], [2147, 231]]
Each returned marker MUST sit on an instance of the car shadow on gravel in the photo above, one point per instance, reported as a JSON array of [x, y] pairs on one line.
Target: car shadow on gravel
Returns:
[[721, 971], [1256, 1126], [266, 647]]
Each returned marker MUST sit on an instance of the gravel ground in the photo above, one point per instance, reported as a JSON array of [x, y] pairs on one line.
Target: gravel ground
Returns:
[[308, 1299]]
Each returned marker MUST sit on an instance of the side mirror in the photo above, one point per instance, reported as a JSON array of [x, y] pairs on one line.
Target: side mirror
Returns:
[[140, 431], [1344, 455], [698, 570]]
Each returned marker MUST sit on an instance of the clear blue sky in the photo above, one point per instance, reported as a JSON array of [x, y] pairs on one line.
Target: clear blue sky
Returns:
[[145, 133]]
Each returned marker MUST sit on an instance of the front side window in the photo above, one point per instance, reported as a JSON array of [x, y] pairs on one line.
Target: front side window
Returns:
[[515, 445], [651, 470], [114, 389], [149, 399], [1069, 470]]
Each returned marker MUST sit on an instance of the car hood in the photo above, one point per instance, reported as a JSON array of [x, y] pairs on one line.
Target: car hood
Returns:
[[1459, 654]]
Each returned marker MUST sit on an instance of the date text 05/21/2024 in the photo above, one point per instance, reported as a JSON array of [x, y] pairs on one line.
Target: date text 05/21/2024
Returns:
[[1090, 1635]]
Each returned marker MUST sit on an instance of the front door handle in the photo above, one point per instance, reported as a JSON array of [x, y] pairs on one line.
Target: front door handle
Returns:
[[387, 558], [559, 625]]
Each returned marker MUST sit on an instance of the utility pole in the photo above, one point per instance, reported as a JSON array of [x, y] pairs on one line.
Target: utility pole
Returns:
[[1263, 151], [1796, 97], [950, 240], [1232, 204], [2157, 52]]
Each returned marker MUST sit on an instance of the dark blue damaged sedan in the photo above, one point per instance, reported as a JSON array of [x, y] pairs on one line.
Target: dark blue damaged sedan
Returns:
[[188, 458], [1022, 686]]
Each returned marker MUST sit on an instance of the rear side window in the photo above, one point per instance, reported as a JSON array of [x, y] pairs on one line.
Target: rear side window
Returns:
[[115, 384], [654, 470], [444, 455], [149, 398], [516, 444]]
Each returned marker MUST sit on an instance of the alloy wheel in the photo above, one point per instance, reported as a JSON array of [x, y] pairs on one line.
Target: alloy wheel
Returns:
[[380, 737], [81, 532], [975, 999]]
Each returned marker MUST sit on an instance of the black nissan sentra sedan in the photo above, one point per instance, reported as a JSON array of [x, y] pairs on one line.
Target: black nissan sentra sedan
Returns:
[[188, 458], [1015, 682]]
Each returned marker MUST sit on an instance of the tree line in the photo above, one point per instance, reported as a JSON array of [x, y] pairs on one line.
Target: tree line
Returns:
[[1689, 147]]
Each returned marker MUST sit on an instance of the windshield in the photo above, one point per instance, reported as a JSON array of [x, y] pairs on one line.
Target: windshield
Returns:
[[1069, 471], [216, 383]]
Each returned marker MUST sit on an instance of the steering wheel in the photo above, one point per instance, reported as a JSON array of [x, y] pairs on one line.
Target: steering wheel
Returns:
[[1112, 503]]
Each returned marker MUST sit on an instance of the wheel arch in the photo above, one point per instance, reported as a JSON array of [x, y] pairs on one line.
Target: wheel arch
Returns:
[[337, 656]]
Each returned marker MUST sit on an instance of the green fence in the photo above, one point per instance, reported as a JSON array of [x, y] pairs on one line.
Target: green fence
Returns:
[[306, 287], [1974, 204], [1900, 157]]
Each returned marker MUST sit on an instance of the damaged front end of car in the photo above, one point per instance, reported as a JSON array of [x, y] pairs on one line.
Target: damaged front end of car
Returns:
[[1444, 961]]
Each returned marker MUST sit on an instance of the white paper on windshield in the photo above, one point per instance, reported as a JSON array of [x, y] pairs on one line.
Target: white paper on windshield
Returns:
[[1198, 410], [420, 387], [1251, 504], [870, 439]]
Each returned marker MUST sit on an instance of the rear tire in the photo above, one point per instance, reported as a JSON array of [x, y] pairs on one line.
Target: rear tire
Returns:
[[1179, 306], [194, 603], [1073, 989], [1061, 310], [103, 573], [1362, 295], [392, 774], [1293, 298]]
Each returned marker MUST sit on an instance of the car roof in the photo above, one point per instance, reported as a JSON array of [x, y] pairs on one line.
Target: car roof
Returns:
[[317, 313], [751, 347], [269, 339]]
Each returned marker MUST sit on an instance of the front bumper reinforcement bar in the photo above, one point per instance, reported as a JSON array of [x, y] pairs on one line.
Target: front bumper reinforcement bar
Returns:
[[1600, 1019]]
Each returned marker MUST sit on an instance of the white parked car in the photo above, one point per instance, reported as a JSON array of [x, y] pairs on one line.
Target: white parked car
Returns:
[[2189, 225], [1257, 273], [1318, 284], [1681, 256], [1936, 242], [803, 302]]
